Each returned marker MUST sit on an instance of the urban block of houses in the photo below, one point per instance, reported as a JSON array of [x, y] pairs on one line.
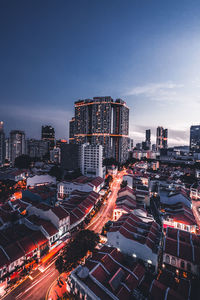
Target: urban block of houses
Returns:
[[137, 237], [179, 216], [57, 215], [172, 197], [38, 180], [45, 226], [181, 252], [82, 183], [17, 245], [38, 194], [79, 206], [105, 276], [164, 287], [13, 174], [125, 202]]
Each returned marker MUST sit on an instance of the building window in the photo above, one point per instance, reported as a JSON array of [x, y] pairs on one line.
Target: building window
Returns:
[[167, 259], [173, 261], [182, 264]]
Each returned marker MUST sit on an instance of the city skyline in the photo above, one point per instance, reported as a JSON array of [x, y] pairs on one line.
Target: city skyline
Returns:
[[144, 53]]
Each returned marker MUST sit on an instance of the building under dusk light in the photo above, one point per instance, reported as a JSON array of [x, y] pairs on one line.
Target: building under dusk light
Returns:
[[102, 121]]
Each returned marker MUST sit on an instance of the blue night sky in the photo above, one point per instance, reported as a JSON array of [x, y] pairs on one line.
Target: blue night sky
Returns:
[[146, 52]]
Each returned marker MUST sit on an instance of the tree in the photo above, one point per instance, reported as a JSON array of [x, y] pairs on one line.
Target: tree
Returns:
[[110, 161], [108, 180], [23, 161], [60, 264], [56, 172], [123, 184], [76, 249]]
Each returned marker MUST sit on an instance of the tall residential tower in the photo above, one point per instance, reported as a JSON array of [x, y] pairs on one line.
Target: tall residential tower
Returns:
[[161, 138], [2, 144], [17, 144], [102, 121], [48, 134], [195, 138]]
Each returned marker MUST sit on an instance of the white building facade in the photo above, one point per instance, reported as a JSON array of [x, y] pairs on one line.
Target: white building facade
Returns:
[[91, 160]]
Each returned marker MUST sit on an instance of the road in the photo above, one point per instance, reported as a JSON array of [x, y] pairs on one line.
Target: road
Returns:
[[106, 212], [35, 286]]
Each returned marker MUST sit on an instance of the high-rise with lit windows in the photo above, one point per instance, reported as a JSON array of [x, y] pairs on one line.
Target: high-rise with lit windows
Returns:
[[17, 144], [161, 138], [195, 138], [2, 144], [48, 134], [103, 121]]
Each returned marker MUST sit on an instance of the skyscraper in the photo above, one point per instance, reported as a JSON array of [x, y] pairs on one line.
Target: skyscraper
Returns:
[[195, 138], [71, 130], [17, 144], [105, 122], [2, 144], [148, 139], [48, 134], [161, 138]]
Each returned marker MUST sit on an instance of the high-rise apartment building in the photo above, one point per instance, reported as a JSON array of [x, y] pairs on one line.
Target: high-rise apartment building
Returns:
[[91, 160], [71, 130], [7, 149], [37, 148], [55, 155], [70, 156], [17, 144], [103, 121], [48, 134], [148, 139], [161, 138], [2, 144], [195, 138]]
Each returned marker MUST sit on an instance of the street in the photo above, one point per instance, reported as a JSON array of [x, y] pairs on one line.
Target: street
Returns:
[[35, 286], [106, 211]]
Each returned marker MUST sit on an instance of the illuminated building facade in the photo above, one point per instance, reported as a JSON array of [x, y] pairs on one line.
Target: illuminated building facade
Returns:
[[161, 138], [17, 144], [2, 144], [48, 134], [102, 121], [195, 138], [71, 130]]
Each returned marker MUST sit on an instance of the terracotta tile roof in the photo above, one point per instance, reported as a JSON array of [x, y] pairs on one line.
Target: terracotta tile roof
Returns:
[[109, 276], [132, 227], [180, 244], [47, 225], [60, 212], [14, 251]]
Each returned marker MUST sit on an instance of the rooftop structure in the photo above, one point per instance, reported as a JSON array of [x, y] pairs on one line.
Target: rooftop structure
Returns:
[[136, 236], [106, 276]]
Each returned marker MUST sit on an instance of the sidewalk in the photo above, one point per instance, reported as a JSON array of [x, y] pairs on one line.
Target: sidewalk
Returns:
[[58, 288]]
